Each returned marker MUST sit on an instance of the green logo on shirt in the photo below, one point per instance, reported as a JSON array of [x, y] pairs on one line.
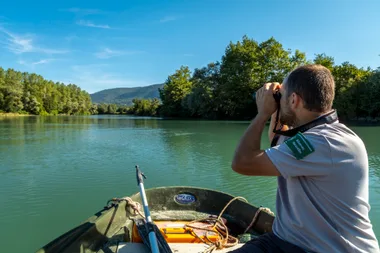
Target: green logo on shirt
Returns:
[[300, 146]]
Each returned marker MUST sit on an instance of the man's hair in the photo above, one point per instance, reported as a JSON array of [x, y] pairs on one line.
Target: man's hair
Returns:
[[315, 84]]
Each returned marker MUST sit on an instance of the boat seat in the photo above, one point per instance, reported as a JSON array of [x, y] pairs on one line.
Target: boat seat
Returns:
[[175, 247]]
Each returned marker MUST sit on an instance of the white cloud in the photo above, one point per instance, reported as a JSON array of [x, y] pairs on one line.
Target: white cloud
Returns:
[[32, 64], [94, 77], [168, 19], [90, 24], [43, 61], [108, 53], [20, 44]]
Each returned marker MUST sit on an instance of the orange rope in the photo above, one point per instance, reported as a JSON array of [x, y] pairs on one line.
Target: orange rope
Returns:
[[224, 239]]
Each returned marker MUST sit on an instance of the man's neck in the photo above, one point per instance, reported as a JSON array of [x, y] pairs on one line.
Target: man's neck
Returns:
[[308, 116]]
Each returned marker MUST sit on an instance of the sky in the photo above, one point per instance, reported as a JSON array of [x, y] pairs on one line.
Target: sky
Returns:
[[110, 44]]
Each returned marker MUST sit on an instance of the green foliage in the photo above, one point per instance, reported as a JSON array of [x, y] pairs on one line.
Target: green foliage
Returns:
[[145, 107], [245, 67], [176, 88], [123, 109], [200, 101], [94, 109], [30, 93], [349, 83], [368, 96], [324, 60], [112, 108], [104, 108]]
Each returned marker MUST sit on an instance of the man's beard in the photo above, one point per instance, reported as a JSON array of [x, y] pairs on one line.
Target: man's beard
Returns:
[[287, 117]]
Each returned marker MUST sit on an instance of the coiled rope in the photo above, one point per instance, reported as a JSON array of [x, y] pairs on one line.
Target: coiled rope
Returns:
[[133, 204], [211, 224], [225, 240]]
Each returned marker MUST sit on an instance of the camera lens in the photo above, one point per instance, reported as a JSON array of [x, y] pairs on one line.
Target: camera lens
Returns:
[[277, 96]]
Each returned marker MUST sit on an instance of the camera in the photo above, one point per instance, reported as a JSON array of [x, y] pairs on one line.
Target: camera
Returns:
[[277, 96]]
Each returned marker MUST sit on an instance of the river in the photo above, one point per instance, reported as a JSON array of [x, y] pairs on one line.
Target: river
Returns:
[[57, 171]]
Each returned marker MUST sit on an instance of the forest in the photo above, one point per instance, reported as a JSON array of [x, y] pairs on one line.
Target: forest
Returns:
[[221, 90], [26, 93]]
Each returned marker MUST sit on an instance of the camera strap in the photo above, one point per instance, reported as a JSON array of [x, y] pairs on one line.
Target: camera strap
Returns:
[[327, 118]]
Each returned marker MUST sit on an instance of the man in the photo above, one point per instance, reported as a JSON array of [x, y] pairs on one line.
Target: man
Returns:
[[322, 197]]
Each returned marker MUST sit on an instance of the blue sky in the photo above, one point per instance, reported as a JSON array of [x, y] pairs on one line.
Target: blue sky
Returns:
[[107, 44]]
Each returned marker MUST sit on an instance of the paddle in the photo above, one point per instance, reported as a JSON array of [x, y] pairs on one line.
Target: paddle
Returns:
[[152, 235]]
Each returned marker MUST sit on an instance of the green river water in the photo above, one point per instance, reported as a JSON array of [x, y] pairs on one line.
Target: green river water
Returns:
[[57, 171]]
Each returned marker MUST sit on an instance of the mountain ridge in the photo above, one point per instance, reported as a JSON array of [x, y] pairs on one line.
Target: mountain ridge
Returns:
[[124, 96]]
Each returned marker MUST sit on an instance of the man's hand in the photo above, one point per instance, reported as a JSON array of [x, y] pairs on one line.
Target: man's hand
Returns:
[[249, 159], [266, 105]]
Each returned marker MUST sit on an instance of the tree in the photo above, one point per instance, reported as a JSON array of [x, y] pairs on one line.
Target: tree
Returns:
[[176, 87], [245, 67], [112, 108], [201, 101], [102, 108], [12, 92], [31, 104], [94, 109], [349, 83], [123, 109], [145, 107], [324, 60], [368, 94]]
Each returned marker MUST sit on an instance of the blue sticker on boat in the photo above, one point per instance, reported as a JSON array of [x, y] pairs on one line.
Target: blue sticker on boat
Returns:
[[184, 198]]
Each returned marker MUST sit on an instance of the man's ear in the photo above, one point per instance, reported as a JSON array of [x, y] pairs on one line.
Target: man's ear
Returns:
[[296, 101]]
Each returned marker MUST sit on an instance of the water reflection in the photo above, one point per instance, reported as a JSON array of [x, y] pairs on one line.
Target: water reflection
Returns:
[[48, 163], [203, 153]]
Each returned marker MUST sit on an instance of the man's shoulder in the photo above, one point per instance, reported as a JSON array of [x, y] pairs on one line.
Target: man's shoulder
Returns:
[[338, 138], [337, 131]]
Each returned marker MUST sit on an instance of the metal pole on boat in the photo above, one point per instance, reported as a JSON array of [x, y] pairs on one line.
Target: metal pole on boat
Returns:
[[152, 235]]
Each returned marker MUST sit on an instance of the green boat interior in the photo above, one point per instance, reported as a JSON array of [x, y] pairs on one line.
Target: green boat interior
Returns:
[[114, 228]]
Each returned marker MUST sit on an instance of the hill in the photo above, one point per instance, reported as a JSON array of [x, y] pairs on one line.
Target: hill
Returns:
[[124, 96]]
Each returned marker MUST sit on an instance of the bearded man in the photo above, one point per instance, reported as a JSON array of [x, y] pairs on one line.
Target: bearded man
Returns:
[[321, 167]]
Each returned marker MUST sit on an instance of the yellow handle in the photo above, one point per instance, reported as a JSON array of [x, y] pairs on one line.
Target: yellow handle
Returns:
[[176, 230]]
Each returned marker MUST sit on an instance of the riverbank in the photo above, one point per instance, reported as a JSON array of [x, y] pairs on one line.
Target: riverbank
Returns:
[[10, 114], [351, 122]]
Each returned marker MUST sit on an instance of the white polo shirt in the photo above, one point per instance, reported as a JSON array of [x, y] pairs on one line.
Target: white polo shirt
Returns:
[[322, 199]]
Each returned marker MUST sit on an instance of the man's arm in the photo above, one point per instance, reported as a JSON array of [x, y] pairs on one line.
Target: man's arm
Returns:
[[249, 159]]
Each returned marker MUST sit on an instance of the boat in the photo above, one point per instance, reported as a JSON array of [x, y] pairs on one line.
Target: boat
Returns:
[[184, 218]]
